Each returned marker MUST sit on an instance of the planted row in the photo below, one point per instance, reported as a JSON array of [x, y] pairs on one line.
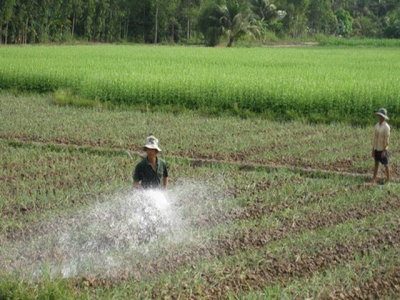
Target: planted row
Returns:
[[340, 148]]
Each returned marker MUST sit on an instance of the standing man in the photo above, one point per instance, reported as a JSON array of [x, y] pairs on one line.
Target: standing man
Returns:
[[152, 171], [381, 144]]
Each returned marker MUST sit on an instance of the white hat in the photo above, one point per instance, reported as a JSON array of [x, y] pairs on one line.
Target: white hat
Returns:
[[151, 143], [383, 113]]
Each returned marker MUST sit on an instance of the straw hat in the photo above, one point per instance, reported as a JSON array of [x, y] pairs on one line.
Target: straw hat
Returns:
[[383, 113], [151, 143]]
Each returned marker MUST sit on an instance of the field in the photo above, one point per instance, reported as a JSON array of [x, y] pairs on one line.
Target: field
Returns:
[[314, 84], [256, 210], [361, 42]]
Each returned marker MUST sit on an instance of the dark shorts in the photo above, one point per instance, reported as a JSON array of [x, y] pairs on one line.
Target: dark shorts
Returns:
[[378, 157]]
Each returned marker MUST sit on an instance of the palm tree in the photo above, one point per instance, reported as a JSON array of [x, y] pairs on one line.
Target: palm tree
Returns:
[[234, 21], [263, 9], [264, 13], [392, 21]]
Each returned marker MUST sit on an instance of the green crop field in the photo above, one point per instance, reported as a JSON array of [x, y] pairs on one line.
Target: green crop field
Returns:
[[256, 209], [315, 84]]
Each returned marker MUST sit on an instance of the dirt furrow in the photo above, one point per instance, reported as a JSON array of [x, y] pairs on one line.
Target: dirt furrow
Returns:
[[260, 207], [313, 221], [196, 159], [259, 275], [249, 240], [384, 284]]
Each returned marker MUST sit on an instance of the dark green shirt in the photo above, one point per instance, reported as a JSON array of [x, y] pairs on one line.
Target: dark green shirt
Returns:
[[149, 177]]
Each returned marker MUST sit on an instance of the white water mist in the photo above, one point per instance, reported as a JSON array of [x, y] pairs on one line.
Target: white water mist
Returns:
[[110, 236]]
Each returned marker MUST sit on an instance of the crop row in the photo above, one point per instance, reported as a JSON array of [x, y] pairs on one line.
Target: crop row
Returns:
[[324, 147], [239, 231], [249, 219], [36, 179], [315, 84], [305, 228]]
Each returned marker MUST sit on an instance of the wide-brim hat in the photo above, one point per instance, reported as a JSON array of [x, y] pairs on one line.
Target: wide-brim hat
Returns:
[[383, 113], [151, 143]]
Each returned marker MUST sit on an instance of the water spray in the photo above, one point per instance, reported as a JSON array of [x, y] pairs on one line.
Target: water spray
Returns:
[[112, 235]]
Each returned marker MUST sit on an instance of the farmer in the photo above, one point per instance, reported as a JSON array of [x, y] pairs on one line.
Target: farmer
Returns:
[[381, 144], [152, 171]]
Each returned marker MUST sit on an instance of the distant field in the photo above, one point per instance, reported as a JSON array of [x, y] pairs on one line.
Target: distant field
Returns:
[[256, 209], [316, 84], [360, 42]]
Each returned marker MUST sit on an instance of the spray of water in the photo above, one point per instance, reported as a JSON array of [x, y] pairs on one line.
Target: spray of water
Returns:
[[109, 237]]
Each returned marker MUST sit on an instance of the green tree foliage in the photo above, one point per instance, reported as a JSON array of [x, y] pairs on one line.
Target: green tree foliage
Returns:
[[263, 10], [392, 29], [367, 26], [295, 21], [321, 18], [166, 26], [264, 16], [234, 20], [158, 21], [189, 14], [6, 13], [345, 22], [208, 23]]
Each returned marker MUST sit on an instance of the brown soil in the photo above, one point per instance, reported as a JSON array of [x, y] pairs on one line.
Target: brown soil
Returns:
[[273, 270], [256, 275], [338, 167], [385, 284]]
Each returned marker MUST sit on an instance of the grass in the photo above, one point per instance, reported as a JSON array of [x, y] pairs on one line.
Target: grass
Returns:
[[313, 84], [365, 268], [357, 42], [333, 148], [251, 210]]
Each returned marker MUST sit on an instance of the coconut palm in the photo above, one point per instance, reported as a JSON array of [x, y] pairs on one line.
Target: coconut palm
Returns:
[[392, 21], [234, 21], [263, 9]]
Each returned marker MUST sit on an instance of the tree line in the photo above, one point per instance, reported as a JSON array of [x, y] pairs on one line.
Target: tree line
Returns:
[[192, 21]]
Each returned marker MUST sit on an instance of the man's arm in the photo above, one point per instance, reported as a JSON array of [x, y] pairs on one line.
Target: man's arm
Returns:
[[136, 177], [386, 143], [387, 135], [165, 183], [374, 141], [165, 177]]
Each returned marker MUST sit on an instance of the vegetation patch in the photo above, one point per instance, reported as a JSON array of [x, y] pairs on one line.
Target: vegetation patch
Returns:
[[313, 84], [240, 220]]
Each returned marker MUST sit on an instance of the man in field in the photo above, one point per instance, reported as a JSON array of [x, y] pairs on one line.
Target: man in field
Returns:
[[381, 144], [152, 171]]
